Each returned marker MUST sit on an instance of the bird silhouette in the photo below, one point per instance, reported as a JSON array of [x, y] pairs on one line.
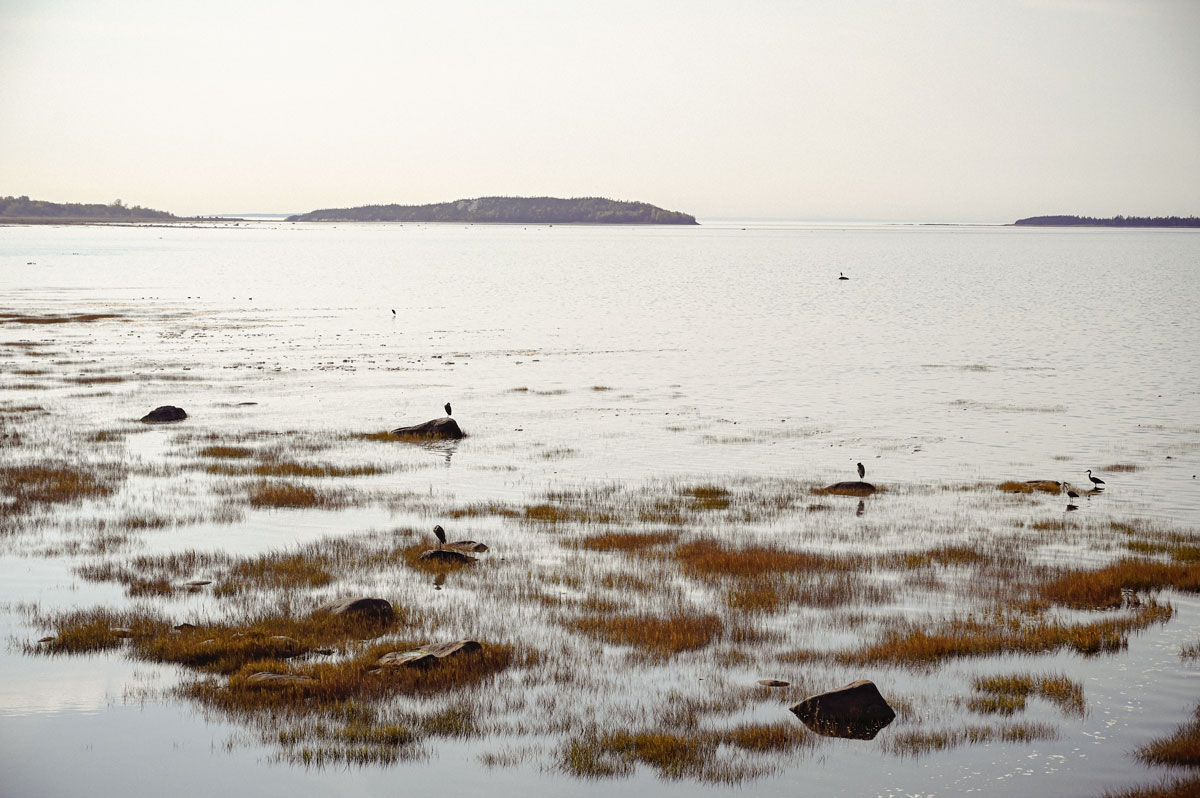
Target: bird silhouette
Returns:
[[440, 534], [1071, 494], [862, 472], [393, 311], [448, 408], [842, 276], [1095, 480]]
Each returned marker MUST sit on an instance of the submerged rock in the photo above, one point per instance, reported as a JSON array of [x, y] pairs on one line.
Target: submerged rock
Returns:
[[265, 679], [445, 428], [773, 683], [426, 656], [375, 609], [856, 711], [164, 413], [848, 489]]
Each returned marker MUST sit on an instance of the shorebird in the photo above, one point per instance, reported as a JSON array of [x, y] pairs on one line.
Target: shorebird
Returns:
[[842, 276], [440, 534], [1095, 480], [447, 408], [862, 472], [393, 311], [1071, 494]]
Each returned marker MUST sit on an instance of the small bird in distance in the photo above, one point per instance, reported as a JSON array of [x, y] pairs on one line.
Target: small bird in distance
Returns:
[[448, 409], [440, 534], [1095, 480], [862, 472]]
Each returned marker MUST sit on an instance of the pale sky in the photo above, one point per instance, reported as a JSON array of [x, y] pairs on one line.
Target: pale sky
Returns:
[[949, 110]]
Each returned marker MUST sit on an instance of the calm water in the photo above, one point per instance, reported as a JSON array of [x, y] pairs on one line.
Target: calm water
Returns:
[[952, 355]]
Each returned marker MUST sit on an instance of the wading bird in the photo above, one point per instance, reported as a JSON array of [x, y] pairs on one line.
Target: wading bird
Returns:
[[842, 276], [447, 408], [440, 534], [1095, 480], [1071, 494], [862, 472]]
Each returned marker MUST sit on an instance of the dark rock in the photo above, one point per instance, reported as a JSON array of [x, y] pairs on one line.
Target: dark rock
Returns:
[[120, 631], [856, 711], [198, 582], [375, 609], [426, 656], [164, 413], [446, 428], [848, 489], [772, 683], [447, 556], [467, 545], [183, 627], [264, 679], [50, 639]]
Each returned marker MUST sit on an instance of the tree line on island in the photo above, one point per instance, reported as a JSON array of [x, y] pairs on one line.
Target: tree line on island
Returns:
[[507, 210], [14, 208], [1115, 221]]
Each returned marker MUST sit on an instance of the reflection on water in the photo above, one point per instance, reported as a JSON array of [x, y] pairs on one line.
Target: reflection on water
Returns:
[[616, 362]]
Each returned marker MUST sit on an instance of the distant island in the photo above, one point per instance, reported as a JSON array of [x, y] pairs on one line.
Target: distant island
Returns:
[[23, 209], [507, 210], [1116, 221]]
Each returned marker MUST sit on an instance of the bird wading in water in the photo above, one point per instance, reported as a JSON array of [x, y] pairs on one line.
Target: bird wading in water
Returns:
[[1095, 480], [862, 472]]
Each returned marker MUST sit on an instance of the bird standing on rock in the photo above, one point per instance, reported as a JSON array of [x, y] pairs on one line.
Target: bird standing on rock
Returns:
[[440, 534], [1095, 480], [448, 408], [862, 472]]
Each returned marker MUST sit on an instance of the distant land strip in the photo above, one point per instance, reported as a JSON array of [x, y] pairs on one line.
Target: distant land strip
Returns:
[[507, 210], [1115, 221], [23, 209]]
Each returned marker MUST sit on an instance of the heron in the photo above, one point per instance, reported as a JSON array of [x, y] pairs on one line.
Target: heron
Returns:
[[440, 534], [862, 472], [448, 408], [1095, 480], [1071, 494]]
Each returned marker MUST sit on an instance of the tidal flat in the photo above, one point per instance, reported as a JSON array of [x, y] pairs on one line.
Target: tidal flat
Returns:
[[653, 499]]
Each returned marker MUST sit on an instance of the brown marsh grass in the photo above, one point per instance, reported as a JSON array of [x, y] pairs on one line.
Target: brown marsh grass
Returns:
[[278, 494], [657, 636], [52, 482], [1180, 748], [1180, 787], [1109, 587], [1032, 486], [913, 645], [921, 742], [1058, 689]]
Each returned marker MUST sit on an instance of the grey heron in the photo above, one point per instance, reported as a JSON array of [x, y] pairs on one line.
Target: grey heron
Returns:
[[440, 534], [1095, 480]]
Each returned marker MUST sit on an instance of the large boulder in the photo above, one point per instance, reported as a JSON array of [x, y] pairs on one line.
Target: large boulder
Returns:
[[428, 655], [856, 711], [372, 609], [848, 489], [164, 413], [444, 428]]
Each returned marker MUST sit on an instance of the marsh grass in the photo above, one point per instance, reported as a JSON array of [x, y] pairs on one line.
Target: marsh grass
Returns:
[[279, 494], [51, 482], [1110, 587], [1181, 748], [657, 636], [919, 742], [679, 754], [631, 542], [1034, 486], [1001, 692], [912, 645], [1182, 787]]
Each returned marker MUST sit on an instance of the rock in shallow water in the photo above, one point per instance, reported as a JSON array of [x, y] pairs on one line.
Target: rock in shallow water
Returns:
[[375, 609], [856, 711], [164, 413], [428, 655], [446, 428]]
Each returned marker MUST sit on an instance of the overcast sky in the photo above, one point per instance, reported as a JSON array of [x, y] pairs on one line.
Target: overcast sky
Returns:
[[829, 109]]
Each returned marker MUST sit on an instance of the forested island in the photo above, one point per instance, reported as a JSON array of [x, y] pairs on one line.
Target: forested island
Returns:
[[1115, 221], [507, 210], [23, 209]]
